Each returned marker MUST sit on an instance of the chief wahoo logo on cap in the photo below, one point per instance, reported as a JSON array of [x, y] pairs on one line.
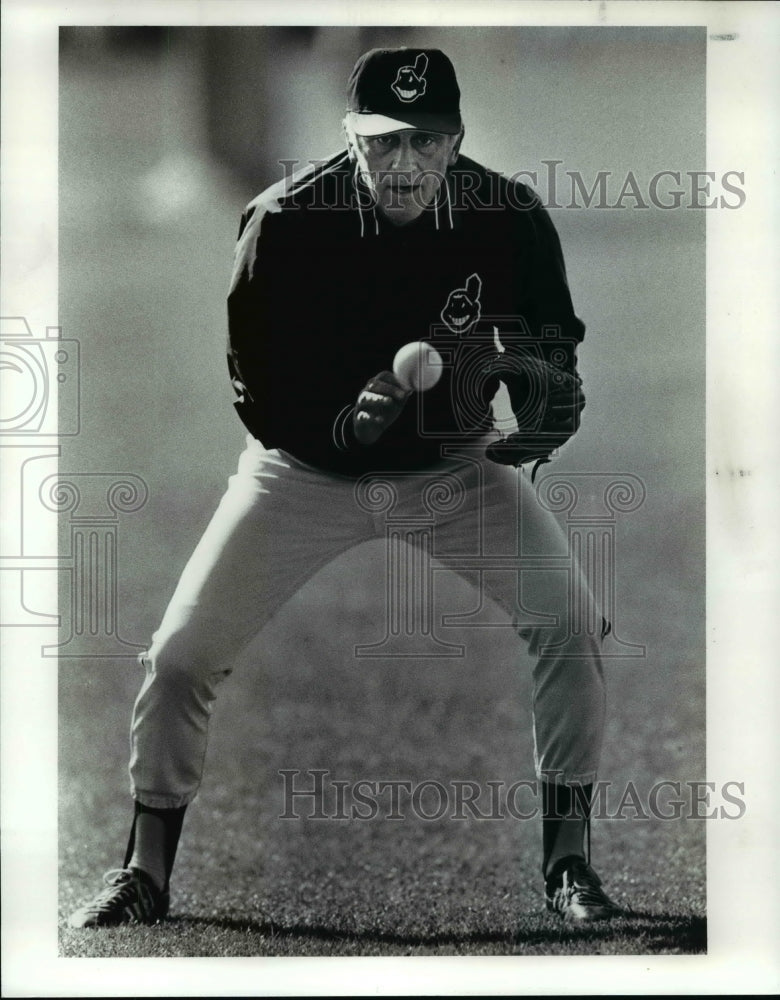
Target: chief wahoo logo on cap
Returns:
[[410, 81]]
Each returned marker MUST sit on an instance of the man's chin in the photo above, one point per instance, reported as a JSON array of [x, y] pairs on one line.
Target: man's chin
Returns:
[[404, 207], [401, 215]]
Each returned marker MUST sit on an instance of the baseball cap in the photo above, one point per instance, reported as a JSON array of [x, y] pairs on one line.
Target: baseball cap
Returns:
[[393, 89]]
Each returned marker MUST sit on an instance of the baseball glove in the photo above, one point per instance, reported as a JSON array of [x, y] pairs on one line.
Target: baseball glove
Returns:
[[547, 402]]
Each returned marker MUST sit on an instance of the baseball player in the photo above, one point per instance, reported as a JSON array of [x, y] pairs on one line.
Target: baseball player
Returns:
[[399, 238]]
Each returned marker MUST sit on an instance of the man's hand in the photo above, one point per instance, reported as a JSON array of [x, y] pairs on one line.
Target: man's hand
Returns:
[[564, 401], [378, 406]]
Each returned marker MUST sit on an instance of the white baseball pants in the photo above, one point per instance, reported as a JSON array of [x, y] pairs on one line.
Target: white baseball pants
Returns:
[[281, 521]]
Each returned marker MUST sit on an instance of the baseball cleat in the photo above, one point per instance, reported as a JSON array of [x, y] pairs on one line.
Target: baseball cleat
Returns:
[[130, 896], [576, 894]]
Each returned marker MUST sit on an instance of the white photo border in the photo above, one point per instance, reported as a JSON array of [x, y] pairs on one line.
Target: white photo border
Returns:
[[742, 684]]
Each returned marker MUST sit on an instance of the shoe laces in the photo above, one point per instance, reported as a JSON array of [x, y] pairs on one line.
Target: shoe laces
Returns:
[[123, 886], [581, 881]]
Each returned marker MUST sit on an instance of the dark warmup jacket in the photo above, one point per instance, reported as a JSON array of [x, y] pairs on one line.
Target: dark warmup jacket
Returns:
[[325, 291]]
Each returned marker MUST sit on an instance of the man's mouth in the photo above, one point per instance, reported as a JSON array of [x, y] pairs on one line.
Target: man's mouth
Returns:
[[402, 187]]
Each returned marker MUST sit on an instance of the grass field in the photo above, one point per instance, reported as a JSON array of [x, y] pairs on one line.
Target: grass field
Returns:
[[248, 882]]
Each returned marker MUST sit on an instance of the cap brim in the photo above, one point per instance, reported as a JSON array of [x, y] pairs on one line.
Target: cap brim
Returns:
[[371, 124]]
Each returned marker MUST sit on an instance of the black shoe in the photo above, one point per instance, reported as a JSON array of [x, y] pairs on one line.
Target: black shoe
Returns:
[[575, 893], [130, 897]]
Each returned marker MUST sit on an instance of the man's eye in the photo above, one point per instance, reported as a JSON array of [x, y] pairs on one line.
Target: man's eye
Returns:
[[384, 141], [425, 141]]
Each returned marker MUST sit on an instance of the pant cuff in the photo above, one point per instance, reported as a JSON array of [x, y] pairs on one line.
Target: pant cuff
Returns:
[[155, 801], [565, 778]]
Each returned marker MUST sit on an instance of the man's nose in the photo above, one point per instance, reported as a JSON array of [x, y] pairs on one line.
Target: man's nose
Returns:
[[405, 158]]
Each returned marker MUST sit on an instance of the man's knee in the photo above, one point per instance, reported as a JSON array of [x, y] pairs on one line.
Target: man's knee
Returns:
[[177, 661]]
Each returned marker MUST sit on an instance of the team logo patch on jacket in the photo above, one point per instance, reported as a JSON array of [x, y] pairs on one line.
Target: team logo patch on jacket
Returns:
[[463, 307], [410, 82]]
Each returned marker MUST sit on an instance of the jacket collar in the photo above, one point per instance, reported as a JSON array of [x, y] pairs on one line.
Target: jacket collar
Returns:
[[438, 217]]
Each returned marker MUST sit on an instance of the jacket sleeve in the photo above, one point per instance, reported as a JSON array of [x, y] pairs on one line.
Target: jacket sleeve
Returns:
[[277, 345], [544, 303], [246, 337]]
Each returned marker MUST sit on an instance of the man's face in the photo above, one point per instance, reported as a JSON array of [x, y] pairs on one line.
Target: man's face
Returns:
[[405, 169]]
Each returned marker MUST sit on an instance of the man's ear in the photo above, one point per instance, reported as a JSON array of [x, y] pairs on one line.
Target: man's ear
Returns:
[[350, 144], [455, 152]]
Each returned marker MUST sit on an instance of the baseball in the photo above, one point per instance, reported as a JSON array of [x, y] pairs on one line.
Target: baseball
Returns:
[[418, 366]]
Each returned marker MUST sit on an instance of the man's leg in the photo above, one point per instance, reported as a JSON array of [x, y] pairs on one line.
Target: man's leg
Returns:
[[502, 518], [258, 550]]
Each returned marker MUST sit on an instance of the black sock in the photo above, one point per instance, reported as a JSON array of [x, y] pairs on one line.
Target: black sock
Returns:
[[172, 820], [559, 801]]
